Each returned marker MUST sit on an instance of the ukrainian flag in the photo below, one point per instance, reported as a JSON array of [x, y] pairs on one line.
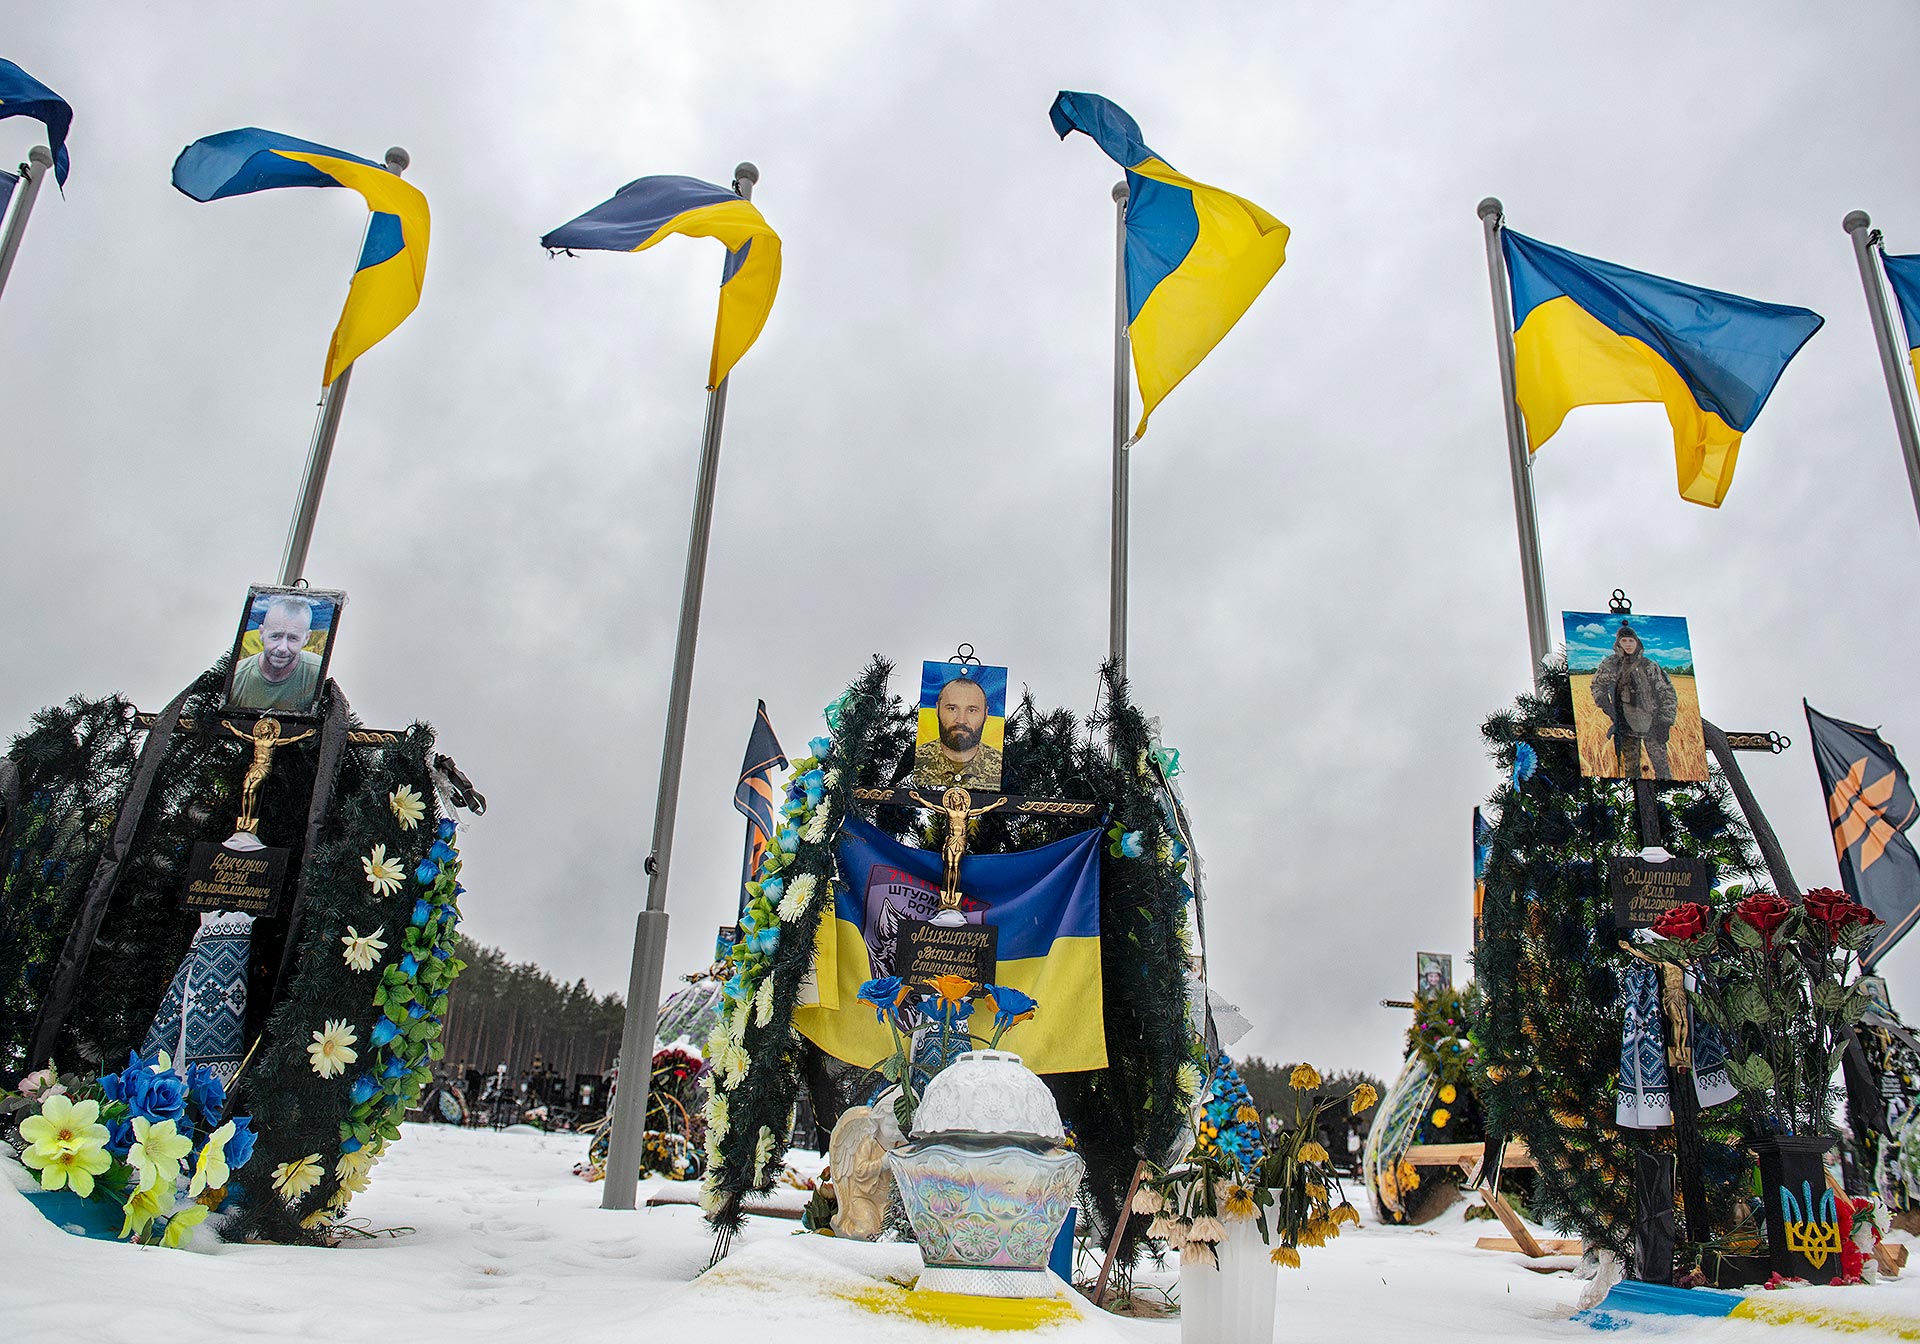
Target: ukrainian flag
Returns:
[[393, 260], [645, 211], [21, 95], [1590, 333], [1045, 903], [1903, 274], [1196, 256]]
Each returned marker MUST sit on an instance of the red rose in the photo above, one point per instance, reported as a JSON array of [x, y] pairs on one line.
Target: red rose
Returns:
[[1765, 912], [1836, 910], [1683, 921]]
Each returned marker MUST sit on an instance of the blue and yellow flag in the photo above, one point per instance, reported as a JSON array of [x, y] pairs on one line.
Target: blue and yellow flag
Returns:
[[21, 95], [1590, 333], [754, 796], [1045, 903], [645, 211], [1903, 275], [1196, 256], [1870, 805], [393, 260]]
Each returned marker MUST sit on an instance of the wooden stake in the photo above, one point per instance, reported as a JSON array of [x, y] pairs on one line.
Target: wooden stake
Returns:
[[1119, 1230]]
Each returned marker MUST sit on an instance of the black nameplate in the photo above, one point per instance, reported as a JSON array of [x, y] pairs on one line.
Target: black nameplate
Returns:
[[1645, 889], [245, 880], [925, 949]]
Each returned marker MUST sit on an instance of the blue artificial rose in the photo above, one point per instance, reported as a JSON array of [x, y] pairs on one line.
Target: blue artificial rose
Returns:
[[446, 828], [747, 922], [883, 992], [119, 1136], [408, 966], [439, 953], [1525, 761], [384, 1030], [426, 872], [152, 1095], [396, 1068], [362, 1089], [766, 940], [459, 890], [441, 851], [416, 1011], [207, 1092], [787, 839], [773, 890], [821, 747], [1009, 1005], [349, 1145], [240, 1147], [421, 909]]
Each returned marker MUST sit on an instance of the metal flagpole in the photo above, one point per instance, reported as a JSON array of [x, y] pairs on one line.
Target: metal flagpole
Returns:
[[1893, 354], [650, 930], [1117, 560], [39, 163], [1533, 584], [333, 401]]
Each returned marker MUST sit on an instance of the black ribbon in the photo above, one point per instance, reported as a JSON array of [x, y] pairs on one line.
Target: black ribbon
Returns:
[[333, 742]]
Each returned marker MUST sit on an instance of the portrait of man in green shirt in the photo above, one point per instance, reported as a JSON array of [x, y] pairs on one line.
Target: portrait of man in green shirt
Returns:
[[284, 676]]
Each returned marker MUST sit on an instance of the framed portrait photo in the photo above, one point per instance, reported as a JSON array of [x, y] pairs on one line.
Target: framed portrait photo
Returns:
[[962, 726], [1636, 709], [1432, 972], [282, 650]]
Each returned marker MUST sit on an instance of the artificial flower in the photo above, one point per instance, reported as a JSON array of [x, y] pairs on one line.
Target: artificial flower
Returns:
[[332, 1049], [1147, 1201], [1682, 922], [71, 1166], [763, 1003], [762, 1154], [445, 830], [884, 992], [62, 1123], [1364, 1098], [1765, 912], [952, 991], [318, 1218], [1285, 1255], [816, 832], [1525, 761], [1440, 1117], [294, 1179], [40, 1080], [1303, 1078], [210, 1170], [1239, 1202], [1207, 1228], [1835, 910], [362, 1090], [180, 1226], [362, 949], [157, 1152], [240, 1146], [1009, 1006], [148, 1087], [1196, 1252], [408, 806], [426, 874], [1315, 1191], [1159, 1228], [1408, 1176], [1312, 1151], [798, 896], [143, 1206], [1344, 1212], [1246, 1115], [383, 874], [1448, 1093], [383, 1031], [1176, 1233], [1188, 1080], [717, 1115]]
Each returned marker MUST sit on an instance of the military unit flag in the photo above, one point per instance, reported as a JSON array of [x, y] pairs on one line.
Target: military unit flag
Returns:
[[393, 259], [1903, 277], [21, 95], [1590, 333], [1196, 256], [651, 208], [1870, 805], [755, 797]]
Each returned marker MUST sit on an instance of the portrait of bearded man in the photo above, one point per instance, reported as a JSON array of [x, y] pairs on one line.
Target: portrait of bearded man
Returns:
[[957, 754]]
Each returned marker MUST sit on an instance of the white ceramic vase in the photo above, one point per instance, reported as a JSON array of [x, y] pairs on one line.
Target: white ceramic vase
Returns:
[[1234, 1303]]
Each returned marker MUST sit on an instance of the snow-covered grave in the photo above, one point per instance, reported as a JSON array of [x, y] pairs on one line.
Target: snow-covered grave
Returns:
[[499, 1241]]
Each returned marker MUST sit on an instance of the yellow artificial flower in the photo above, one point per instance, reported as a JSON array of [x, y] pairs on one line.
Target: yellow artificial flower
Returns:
[[1303, 1078], [1324, 1228], [1440, 1117], [294, 1179], [157, 1152], [356, 1165], [180, 1226], [210, 1171], [1364, 1098], [319, 1218], [74, 1168], [1285, 1255], [407, 806], [1311, 1234], [1316, 1192], [143, 1206], [1246, 1115], [1312, 1151], [1409, 1177], [952, 989], [1448, 1093], [1344, 1212], [362, 949], [1238, 1203], [383, 874], [332, 1049]]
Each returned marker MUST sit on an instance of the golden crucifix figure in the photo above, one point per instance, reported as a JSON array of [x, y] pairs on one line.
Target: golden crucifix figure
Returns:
[[957, 803], [266, 740]]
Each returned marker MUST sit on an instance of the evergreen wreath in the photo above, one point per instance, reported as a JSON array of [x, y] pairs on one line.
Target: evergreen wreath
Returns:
[[1138, 1103], [318, 1132], [1549, 964]]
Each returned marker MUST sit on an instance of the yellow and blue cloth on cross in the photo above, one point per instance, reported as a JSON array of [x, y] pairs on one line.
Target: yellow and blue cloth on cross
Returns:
[[1590, 333], [393, 259], [645, 211], [1903, 276], [1196, 256], [1045, 902]]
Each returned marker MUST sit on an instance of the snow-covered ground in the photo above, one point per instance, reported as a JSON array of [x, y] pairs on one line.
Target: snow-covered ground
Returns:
[[499, 1241]]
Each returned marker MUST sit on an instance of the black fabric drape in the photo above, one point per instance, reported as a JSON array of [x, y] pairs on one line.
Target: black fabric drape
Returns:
[[72, 963], [333, 744]]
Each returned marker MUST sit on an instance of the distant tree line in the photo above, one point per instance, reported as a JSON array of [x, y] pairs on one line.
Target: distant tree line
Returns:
[[508, 1012]]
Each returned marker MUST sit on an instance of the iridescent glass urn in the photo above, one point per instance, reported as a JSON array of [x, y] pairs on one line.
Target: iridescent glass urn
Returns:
[[985, 1179]]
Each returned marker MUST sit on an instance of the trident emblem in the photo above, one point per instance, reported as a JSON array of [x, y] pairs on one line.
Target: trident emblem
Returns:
[[1813, 1230]]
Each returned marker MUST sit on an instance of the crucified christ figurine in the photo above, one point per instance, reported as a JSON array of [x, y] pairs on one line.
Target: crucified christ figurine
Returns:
[[957, 803], [266, 739]]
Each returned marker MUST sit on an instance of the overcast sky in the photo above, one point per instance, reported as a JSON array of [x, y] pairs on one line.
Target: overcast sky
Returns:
[[1326, 595]]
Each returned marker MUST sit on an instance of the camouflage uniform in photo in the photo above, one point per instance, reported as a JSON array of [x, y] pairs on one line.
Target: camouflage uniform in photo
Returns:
[[1637, 695], [932, 768]]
